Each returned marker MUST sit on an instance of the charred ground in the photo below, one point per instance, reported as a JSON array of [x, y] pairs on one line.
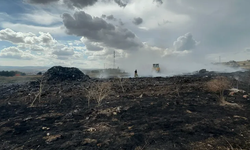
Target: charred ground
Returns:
[[140, 114]]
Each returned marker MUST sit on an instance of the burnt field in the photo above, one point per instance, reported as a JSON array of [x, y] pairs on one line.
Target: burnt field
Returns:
[[171, 113]]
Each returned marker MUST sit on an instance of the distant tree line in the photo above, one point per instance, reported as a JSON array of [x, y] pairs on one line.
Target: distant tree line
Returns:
[[39, 73], [11, 73]]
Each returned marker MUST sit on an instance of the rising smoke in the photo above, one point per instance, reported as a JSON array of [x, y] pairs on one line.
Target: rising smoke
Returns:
[[172, 64]]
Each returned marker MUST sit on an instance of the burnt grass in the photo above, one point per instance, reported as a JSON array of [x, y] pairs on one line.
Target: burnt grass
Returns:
[[170, 113]]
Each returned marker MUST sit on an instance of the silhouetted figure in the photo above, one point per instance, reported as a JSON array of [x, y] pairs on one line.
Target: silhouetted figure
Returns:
[[136, 75]]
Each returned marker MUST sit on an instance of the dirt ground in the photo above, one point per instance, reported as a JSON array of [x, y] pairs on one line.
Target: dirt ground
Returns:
[[18, 79], [174, 113]]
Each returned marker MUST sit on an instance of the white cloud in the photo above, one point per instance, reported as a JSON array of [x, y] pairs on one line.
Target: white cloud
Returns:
[[63, 51], [26, 38], [143, 28], [36, 48], [43, 45], [15, 53], [185, 42], [54, 30]]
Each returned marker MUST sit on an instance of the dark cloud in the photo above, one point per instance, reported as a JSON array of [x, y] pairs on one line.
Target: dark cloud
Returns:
[[79, 3], [98, 30], [121, 23], [247, 49], [111, 17], [121, 3], [70, 3], [185, 42], [91, 46], [159, 1], [164, 22], [41, 1], [104, 16], [137, 21]]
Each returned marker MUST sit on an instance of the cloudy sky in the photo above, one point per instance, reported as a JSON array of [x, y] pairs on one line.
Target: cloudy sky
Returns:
[[85, 33]]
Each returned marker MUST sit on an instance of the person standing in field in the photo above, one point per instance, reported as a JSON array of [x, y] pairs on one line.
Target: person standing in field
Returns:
[[136, 75]]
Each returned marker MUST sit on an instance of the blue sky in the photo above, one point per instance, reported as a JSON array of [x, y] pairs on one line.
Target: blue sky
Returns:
[[13, 7], [86, 33]]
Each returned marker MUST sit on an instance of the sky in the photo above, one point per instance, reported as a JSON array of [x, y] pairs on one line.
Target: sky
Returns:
[[178, 34]]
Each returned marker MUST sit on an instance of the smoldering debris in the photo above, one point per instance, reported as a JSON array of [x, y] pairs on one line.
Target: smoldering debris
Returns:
[[60, 74]]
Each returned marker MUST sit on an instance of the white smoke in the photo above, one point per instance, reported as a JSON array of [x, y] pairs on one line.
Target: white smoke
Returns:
[[171, 64]]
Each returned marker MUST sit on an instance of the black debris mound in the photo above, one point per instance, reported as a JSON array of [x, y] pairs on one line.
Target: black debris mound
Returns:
[[202, 71], [60, 74]]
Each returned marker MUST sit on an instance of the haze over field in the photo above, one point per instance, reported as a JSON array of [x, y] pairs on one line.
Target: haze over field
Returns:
[[182, 35]]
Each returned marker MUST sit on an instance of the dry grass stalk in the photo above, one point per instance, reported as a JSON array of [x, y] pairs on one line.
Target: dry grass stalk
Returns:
[[122, 81], [231, 147], [218, 86], [177, 90], [90, 94], [38, 94], [98, 92], [144, 146]]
